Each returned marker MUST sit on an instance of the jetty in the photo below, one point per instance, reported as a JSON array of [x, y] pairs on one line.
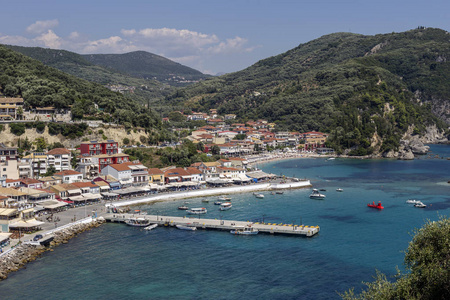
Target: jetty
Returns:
[[201, 223]]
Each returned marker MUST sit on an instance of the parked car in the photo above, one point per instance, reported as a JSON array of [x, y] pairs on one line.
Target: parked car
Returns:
[[37, 237]]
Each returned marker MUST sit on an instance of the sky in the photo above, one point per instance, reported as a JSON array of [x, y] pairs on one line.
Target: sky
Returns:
[[208, 35]]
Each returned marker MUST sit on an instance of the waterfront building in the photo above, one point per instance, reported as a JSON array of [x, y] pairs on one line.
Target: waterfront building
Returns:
[[120, 171], [104, 160], [155, 176]]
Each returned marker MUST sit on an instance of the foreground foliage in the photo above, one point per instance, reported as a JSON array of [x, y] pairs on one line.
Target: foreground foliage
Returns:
[[427, 261]]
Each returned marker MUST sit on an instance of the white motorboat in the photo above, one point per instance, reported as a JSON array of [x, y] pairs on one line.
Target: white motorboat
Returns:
[[259, 195], [316, 195], [137, 222], [225, 206], [150, 227], [331, 158], [339, 190], [241, 230], [420, 205], [197, 211], [223, 198], [186, 227]]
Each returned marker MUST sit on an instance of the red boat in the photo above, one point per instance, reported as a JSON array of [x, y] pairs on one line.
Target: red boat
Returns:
[[373, 205]]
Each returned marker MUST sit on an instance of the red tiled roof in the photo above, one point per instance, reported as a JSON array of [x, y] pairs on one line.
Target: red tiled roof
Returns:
[[58, 151], [155, 171], [193, 170], [120, 167], [84, 184]]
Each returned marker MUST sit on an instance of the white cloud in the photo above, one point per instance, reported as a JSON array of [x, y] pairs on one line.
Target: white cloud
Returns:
[[42, 26], [184, 46], [50, 40]]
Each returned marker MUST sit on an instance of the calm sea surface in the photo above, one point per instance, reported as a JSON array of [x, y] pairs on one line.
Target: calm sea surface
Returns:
[[120, 262]]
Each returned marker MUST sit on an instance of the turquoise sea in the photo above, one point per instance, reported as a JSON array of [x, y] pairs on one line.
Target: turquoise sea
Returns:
[[119, 262]]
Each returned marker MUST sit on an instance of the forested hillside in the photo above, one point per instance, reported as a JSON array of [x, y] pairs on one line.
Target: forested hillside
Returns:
[[143, 64], [42, 86], [144, 91], [364, 90]]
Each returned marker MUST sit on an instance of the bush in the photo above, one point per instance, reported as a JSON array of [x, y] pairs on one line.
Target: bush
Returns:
[[126, 141], [17, 128], [40, 126]]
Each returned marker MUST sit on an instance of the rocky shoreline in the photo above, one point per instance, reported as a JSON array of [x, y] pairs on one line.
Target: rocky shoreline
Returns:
[[25, 253]]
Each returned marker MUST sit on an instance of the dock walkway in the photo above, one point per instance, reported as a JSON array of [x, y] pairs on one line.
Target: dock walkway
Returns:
[[289, 229]]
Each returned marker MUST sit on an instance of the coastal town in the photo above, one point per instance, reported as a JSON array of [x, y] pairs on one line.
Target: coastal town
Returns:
[[37, 186]]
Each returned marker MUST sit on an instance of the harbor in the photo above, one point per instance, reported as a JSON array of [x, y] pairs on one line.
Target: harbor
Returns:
[[214, 224]]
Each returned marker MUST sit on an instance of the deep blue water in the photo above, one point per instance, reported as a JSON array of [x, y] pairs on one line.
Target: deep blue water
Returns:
[[119, 262]]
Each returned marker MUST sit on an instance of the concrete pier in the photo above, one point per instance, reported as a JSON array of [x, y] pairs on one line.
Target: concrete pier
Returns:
[[202, 223]]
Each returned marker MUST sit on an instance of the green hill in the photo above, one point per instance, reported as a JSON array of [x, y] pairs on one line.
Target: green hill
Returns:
[[142, 90], [41, 86], [146, 65], [364, 90]]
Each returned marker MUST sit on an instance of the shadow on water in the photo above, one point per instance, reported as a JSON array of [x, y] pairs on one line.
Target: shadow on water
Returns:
[[345, 219]]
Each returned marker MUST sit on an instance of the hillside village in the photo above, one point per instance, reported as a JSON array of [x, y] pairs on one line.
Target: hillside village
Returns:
[[44, 182]]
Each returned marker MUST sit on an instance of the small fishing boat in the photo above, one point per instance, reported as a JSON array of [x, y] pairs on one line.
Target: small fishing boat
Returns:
[[339, 190], [316, 195], [186, 227], [218, 203], [377, 206], [223, 198], [323, 190], [259, 195], [241, 230], [205, 200], [137, 222], [183, 207], [225, 206], [150, 227], [331, 158], [279, 193], [197, 211]]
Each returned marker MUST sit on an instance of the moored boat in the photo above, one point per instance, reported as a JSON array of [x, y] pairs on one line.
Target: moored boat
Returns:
[[218, 203], [339, 190], [241, 230], [259, 195], [225, 206], [316, 195], [279, 193], [377, 206], [205, 200], [150, 227], [186, 227], [183, 207], [197, 211], [223, 198], [137, 222]]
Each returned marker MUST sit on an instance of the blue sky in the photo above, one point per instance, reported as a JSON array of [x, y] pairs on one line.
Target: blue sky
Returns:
[[210, 36]]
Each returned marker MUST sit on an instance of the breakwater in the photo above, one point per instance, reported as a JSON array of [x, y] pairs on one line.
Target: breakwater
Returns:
[[217, 191], [28, 251]]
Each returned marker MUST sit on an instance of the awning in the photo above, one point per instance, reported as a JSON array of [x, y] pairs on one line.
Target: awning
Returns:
[[109, 194], [52, 204], [26, 224], [90, 196], [4, 236], [104, 188], [77, 198], [114, 184], [76, 191]]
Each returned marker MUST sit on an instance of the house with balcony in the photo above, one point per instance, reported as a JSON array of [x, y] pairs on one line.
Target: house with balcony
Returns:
[[7, 153], [9, 108], [177, 175], [99, 147], [69, 176], [139, 173], [59, 158], [104, 160], [196, 174], [31, 183], [38, 163]]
